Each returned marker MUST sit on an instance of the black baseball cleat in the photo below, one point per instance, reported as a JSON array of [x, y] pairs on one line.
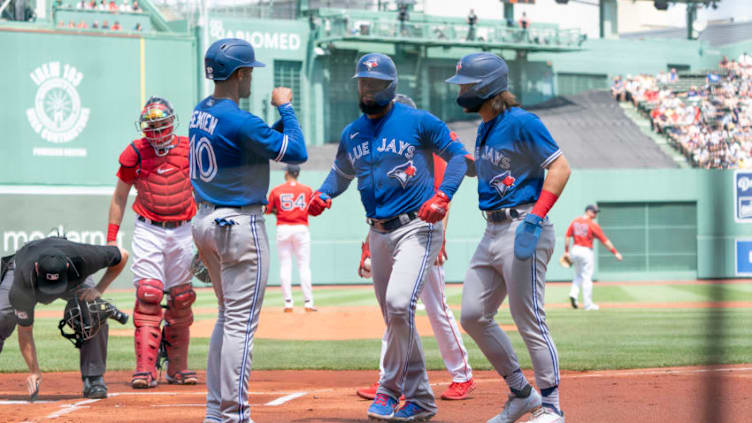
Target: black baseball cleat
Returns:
[[94, 387], [573, 301]]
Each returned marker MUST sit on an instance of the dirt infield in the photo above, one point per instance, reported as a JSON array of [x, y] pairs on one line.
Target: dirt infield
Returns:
[[646, 395]]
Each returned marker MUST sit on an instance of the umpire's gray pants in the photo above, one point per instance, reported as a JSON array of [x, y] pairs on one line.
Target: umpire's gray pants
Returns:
[[237, 258], [399, 263], [494, 273], [93, 353]]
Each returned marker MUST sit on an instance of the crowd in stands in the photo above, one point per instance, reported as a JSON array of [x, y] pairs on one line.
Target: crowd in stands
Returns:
[[128, 6], [707, 116], [103, 5]]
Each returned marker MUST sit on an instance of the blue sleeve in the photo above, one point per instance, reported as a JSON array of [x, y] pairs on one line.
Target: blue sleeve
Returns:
[[341, 174], [538, 141], [287, 145], [437, 134]]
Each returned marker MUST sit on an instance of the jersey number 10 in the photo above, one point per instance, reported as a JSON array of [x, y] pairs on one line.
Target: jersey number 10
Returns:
[[203, 160]]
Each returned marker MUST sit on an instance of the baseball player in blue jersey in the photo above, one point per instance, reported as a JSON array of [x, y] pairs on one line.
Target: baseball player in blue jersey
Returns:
[[513, 150], [390, 150], [230, 153]]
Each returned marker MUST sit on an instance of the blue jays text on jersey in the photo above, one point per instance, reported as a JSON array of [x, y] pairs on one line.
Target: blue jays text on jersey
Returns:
[[231, 149], [512, 152], [392, 157]]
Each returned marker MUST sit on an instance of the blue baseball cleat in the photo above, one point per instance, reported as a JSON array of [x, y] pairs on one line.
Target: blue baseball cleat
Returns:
[[382, 407], [411, 412]]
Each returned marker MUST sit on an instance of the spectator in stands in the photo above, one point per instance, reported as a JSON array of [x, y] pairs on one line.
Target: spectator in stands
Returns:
[[92, 5], [472, 19], [618, 91], [116, 26], [61, 23], [71, 24], [135, 7], [138, 27], [82, 25], [57, 4], [112, 6], [525, 24], [101, 5], [105, 24], [673, 76], [125, 6], [95, 25]]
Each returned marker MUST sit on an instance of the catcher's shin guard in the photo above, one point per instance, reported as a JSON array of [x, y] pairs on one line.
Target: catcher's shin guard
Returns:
[[179, 318], [147, 317]]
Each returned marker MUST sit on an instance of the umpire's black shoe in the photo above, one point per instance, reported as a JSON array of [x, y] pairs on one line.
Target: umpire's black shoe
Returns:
[[94, 387]]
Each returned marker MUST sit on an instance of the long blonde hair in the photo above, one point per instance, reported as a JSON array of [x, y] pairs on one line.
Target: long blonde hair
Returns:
[[503, 101]]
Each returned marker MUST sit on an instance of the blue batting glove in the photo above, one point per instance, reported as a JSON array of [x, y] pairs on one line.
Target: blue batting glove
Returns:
[[527, 235]]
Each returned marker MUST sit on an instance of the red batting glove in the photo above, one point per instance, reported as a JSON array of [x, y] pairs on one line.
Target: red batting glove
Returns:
[[365, 253], [434, 209], [319, 202], [442, 254]]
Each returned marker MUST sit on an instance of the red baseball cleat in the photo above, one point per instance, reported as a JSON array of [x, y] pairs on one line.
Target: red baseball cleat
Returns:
[[368, 393], [458, 390]]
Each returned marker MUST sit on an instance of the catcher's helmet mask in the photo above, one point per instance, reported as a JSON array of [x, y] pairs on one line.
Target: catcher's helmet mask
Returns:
[[86, 318], [157, 123]]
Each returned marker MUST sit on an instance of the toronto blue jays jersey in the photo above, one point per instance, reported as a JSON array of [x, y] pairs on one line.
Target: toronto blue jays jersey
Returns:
[[231, 149], [392, 157], [512, 152]]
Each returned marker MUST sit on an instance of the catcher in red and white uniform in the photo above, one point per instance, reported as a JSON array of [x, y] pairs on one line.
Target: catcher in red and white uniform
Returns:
[[289, 202], [157, 164], [448, 336], [584, 230]]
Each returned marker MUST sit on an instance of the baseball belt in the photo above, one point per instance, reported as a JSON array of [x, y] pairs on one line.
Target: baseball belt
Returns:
[[501, 215], [388, 225], [164, 225]]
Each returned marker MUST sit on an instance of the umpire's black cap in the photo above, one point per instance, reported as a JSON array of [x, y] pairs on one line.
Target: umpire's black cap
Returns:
[[293, 170], [593, 208], [52, 272]]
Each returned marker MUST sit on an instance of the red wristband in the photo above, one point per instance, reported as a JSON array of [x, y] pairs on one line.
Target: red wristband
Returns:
[[112, 231], [566, 248], [613, 250], [544, 203]]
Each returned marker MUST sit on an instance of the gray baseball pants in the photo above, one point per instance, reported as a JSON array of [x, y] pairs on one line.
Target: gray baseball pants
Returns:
[[399, 261], [235, 249], [496, 273]]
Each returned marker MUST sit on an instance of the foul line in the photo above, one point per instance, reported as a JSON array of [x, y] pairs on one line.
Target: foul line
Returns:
[[69, 408], [284, 399]]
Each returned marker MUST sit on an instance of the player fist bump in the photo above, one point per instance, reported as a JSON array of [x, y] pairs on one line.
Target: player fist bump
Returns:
[[281, 95], [434, 209], [527, 235], [319, 202]]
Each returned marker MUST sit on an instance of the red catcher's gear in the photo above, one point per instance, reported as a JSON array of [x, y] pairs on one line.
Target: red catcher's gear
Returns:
[[163, 183], [147, 317], [179, 318]]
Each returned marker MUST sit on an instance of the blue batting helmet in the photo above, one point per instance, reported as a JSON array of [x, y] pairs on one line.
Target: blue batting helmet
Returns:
[[378, 66], [226, 55], [487, 71]]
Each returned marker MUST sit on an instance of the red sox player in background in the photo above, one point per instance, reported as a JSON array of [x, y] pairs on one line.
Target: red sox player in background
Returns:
[[289, 202], [157, 164], [584, 229]]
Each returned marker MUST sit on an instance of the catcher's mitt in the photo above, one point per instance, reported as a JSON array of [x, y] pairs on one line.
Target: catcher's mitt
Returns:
[[86, 318], [565, 261], [199, 270]]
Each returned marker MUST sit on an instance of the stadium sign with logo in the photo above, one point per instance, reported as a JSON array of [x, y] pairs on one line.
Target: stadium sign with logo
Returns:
[[57, 115], [743, 196]]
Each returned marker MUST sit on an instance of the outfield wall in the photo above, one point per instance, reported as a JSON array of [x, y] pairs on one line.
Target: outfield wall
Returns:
[[76, 98], [32, 212]]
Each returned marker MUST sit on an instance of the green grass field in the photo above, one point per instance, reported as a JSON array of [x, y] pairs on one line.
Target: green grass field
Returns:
[[614, 338]]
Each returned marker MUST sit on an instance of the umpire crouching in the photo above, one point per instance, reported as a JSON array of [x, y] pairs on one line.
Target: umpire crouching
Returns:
[[47, 269]]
